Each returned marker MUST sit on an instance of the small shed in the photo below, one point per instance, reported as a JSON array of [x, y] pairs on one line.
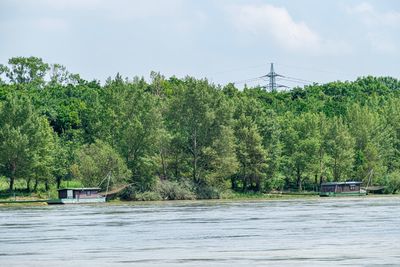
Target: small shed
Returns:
[[341, 188], [79, 193]]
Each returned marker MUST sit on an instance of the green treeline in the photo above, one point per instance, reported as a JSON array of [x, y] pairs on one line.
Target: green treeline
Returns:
[[188, 138]]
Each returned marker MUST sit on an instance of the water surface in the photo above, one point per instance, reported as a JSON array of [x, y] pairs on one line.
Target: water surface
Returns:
[[308, 232]]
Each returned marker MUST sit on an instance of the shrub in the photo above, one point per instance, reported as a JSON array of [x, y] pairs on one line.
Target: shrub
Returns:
[[391, 182], [127, 194], [207, 192], [275, 183], [170, 190], [147, 196], [130, 193]]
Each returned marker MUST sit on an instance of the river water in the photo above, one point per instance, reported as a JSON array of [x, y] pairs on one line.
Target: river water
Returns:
[[305, 232]]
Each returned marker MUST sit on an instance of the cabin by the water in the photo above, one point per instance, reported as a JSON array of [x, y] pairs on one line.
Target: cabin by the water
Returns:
[[79, 195], [351, 188]]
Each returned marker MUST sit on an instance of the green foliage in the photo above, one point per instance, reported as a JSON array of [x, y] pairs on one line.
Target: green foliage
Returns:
[[129, 120], [26, 142], [171, 190], [205, 191], [221, 156], [251, 155], [98, 161], [130, 194], [147, 196], [340, 148], [177, 138], [391, 181], [24, 70], [198, 119]]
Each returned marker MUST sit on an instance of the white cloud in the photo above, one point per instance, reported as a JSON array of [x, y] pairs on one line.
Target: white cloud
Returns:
[[381, 26], [372, 17], [276, 24]]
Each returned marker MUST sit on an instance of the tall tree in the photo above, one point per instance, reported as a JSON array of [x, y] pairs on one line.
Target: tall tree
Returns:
[[25, 70], [221, 156], [26, 142], [373, 141], [301, 147], [98, 162], [340, 148], [251, 155], [192, 120]]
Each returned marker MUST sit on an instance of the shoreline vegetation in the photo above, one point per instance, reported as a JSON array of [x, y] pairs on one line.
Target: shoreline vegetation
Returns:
[[232, 198], [186, 138]]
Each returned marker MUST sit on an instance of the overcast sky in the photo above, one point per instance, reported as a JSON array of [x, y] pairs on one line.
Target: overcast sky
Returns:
[[222, 40]]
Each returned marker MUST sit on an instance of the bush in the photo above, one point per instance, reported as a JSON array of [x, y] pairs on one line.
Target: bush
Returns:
[[127, 194], [275, 183], [132, 194], [170, 190], [147, 196], [207, 192], [98, 160], [391, 182]]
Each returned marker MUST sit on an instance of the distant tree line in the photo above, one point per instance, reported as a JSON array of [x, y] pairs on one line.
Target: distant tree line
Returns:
[[189, 136]]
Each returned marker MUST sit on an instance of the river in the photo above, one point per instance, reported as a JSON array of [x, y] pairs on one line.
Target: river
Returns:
[[361, 231]]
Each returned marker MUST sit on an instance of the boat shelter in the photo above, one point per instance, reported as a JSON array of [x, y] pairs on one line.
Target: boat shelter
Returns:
[[79, 193], [341, 188]]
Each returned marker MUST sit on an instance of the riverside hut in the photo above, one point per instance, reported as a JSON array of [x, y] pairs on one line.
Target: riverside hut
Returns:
[[332, 189], [79, 195]]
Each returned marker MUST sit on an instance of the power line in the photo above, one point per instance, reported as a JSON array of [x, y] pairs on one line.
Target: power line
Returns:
[[310, 69], [297, 79], [237, 69], [249, 80]]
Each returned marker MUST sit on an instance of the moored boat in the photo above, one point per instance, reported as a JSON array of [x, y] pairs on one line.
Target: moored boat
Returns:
[[335, 189], [78, 195]]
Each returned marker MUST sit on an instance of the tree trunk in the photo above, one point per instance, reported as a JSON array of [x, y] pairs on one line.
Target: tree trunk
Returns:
[[11, 188], [164, 167], [299, 185], [46, 184], [36, 185], [12, 176], [258, 185], [28, 185], [233, 183], [58, 181], [176, 165], [335, 172], [316, 182], [195, 156], [244, 179]]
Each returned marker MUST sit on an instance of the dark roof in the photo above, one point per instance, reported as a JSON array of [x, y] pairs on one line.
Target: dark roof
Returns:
[[80, 189], [342, 183]]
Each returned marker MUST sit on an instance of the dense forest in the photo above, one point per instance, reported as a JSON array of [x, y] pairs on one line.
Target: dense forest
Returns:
[[174, 138]]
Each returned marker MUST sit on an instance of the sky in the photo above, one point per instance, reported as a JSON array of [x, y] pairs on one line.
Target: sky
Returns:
[[221, 40]]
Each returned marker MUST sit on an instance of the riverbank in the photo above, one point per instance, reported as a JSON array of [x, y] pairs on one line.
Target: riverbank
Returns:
[[232, 197]]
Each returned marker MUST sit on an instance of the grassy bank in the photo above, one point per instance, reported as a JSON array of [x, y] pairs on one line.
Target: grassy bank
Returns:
[[21, 193], [165, 191]]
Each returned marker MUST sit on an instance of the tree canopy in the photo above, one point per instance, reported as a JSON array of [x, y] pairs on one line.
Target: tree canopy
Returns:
[[188, 132]]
